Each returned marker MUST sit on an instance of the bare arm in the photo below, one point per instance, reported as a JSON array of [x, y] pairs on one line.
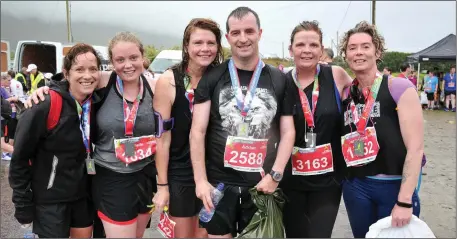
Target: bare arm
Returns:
[[286, 143], [197, 136], [342, 79], [411, 126], [200, 121], [163, 102]]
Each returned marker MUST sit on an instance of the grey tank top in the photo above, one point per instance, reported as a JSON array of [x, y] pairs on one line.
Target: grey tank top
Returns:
[[110, 126]]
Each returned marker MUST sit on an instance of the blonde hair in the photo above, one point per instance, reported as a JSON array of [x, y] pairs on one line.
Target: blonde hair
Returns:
[[364, 27], [124, 37], [146, 63], [4, 76]]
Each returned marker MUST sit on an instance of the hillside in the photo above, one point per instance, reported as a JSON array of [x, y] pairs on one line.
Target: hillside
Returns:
[[14, 29]]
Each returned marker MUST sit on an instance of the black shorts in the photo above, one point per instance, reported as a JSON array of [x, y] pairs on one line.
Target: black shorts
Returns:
[[233, 213], [446, 93], [12, 123], [8, 128], [55, 220], [183, 200], [120, 197], [3, 128], [431, 96]]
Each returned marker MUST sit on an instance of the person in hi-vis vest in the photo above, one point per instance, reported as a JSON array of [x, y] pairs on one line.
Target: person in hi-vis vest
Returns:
[[22, 77], [36, 78]]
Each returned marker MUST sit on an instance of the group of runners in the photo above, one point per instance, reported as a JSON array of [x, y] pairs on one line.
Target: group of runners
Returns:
[[314, 133]]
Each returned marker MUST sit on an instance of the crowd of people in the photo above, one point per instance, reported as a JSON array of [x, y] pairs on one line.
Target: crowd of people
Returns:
[[95, 149], [439, 87]]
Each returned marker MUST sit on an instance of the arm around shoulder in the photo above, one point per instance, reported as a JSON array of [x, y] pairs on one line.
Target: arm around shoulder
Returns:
[[342, 79]]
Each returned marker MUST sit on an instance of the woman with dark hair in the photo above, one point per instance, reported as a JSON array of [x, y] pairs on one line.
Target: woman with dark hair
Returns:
[[312, 178], [124, 140], [202, 49], [48, 169]]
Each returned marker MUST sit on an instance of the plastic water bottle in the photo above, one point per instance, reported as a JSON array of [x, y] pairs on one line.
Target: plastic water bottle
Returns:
[[27, 230], [216, 196]]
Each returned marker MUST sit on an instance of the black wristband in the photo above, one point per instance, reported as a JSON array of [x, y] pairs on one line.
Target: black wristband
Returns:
[[403, 204], [162, 184]]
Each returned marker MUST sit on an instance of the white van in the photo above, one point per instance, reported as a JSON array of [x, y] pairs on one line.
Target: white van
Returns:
[[48, 56], [164, 60], [5, 56]]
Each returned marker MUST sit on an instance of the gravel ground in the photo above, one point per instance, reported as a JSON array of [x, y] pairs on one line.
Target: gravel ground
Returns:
[[437, 192]]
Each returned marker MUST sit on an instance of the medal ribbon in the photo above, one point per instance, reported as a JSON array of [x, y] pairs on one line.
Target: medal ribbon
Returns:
[[309, 113], [361, 123], [244, 104], [84, 120], [189, 92], [129, 113]]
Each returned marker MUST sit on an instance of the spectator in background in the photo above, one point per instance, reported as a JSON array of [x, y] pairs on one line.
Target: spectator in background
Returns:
[[327, 56], [22, 77], [387, 71], [413, 78], [5, 121], [47, 78], [6, 112], [431, 87], [36, 78], [15, 86], [450, 89], [405, 70]]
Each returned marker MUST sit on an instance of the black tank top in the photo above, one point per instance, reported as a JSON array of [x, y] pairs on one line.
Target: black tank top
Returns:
[[328, 121], [392, 149], [180, 166]]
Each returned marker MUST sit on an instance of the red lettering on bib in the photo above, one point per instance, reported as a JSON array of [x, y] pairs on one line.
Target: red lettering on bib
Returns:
[[351, 144], [245, 154], [166, 226], [142, 147], [306, 161]]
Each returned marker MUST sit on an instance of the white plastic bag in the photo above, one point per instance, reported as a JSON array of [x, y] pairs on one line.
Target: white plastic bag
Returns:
[[424, 99], [415, 229]]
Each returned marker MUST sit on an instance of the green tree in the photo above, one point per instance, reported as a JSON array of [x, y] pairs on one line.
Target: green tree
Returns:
[[151, 52], [393, 59], [227, 52], [177, 47]]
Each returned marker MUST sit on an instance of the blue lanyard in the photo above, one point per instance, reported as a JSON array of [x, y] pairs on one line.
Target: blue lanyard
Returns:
[[244, 104], [84, 120]]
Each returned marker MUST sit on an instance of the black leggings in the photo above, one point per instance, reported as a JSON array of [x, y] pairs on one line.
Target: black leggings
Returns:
[[311, 213]]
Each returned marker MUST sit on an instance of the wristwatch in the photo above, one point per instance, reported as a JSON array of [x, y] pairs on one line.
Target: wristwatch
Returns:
[[277, 176]]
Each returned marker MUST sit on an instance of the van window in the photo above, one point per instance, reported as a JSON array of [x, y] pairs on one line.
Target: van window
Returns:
[[160, 65]]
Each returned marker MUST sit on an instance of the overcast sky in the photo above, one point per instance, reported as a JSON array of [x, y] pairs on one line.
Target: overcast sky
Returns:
[[406, 26]]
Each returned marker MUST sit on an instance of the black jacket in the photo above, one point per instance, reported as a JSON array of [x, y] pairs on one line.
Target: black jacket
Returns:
[[58, 171]]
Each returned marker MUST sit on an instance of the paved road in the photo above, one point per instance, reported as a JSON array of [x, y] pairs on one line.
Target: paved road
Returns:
[[437, 190]]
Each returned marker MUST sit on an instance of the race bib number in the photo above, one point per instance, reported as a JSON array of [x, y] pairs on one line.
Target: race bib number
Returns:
[[316, 161], [134, 149], [245, 154], [360, 149], [451, 84], [166, 226]]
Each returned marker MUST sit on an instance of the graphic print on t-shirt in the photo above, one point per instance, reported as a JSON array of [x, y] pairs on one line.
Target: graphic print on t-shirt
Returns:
[[260, 115], [375, 113]]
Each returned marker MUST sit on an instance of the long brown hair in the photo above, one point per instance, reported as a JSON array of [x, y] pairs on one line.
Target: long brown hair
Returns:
[[205, 24]]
